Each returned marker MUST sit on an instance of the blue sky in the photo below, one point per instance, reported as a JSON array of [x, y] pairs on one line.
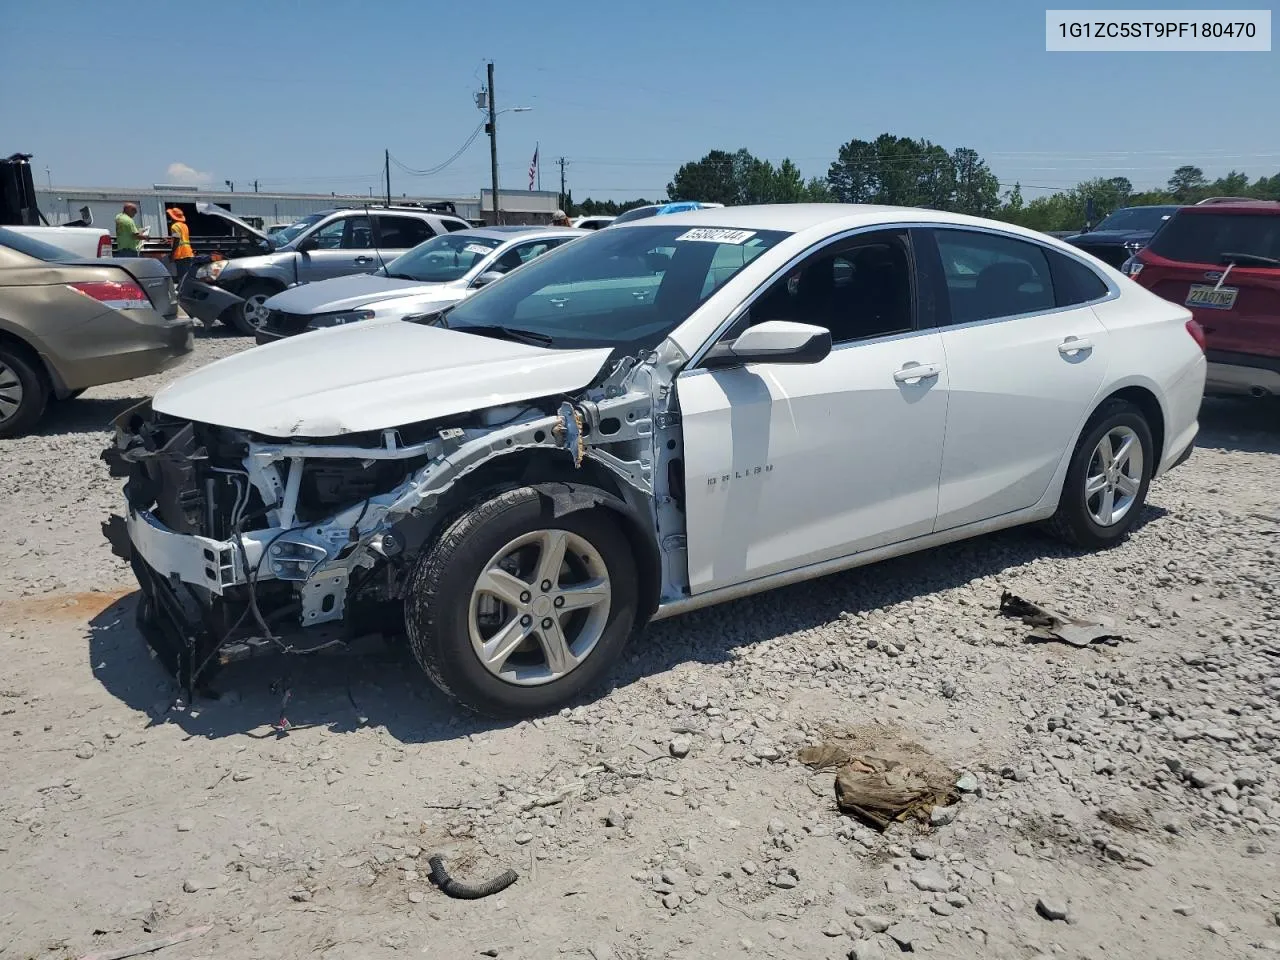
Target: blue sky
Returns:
[[305, 94]]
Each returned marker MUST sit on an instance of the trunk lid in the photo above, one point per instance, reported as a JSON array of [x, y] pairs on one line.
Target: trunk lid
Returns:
[[153, 276]]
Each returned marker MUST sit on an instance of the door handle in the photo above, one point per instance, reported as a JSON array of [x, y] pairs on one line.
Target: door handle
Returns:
[[639, 294], [913, 372], [558, 301], [1073, 345], [364, 259]]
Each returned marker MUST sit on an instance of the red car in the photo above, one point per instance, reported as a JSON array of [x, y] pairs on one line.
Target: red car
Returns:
[[1222, 261]]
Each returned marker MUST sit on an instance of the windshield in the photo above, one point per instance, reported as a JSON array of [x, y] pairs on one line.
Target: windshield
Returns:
[[34, 248], [1208, 237], [639, 213], [623, 289], [1137, 218], [294, 230], [443, 258]]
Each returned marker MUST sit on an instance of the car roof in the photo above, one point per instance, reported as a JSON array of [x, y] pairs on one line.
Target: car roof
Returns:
[[797, 217], [510, 233], [1234, 206], [382, 208]]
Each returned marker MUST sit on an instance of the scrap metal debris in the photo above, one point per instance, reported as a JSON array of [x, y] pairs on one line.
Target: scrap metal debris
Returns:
[[880, 777], [1051, 625], [460, 890]]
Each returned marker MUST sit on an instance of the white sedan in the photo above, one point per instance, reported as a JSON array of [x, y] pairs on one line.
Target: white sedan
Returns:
[[658, 417]]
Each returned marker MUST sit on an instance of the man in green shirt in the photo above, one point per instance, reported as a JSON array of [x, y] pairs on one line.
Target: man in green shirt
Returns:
[[129, 235]]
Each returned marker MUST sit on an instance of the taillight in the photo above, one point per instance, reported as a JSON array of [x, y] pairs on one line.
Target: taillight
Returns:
[[1197, 333], [116, 294], [104, 245]]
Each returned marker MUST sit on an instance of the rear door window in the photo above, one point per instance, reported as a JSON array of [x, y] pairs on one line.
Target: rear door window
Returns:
[[1073, 281], [1212, 237], [989, 276], [401, 233]]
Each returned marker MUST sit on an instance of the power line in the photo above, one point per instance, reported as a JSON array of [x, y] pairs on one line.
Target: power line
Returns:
[[432, 171]]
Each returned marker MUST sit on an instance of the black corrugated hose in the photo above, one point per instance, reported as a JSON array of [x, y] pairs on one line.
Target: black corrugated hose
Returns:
[[467, 891]]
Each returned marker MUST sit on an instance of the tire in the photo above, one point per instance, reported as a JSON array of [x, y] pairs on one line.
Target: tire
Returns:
[[1077, 520], [253, 293], [447, 617], [23, 391]]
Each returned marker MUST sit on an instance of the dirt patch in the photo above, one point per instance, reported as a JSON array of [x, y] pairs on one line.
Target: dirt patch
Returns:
[[63, 606]]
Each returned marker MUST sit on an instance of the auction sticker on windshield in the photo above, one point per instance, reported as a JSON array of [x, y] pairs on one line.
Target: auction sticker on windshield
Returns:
[[717, 235], [477, 248]]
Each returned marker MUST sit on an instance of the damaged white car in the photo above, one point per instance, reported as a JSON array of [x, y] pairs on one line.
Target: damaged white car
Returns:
[[658, 417]]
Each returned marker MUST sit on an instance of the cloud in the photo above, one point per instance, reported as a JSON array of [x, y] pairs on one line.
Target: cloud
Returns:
[[181, 173]]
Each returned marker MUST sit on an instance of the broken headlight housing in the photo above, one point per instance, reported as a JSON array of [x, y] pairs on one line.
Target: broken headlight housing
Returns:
[[211, 271]]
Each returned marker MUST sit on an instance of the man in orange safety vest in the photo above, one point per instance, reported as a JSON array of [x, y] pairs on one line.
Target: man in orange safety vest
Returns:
[[183, 255]]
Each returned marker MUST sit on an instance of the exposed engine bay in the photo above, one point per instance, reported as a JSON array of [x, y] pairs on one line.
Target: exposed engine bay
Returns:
[[240, 541]]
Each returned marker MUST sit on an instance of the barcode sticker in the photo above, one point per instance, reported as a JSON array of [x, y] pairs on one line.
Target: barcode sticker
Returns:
[[479, 248], [716, 235]]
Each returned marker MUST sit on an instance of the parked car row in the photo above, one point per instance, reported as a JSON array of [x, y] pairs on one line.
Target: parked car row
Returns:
[[644, 420], [424, 280]]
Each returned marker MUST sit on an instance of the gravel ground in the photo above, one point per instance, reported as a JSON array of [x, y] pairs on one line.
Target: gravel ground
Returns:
[[1122, 802]]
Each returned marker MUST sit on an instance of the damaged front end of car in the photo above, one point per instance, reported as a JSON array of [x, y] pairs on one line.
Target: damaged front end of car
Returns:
[[244, 544]]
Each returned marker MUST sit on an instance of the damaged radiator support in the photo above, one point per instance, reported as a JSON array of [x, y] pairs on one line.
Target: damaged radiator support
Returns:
[[294, 572]]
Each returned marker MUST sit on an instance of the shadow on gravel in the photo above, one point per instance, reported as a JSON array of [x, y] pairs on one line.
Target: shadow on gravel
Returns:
[[710, 635], [367, 685], [1250, 426], [381, 686], [82, 415], [219, 332]]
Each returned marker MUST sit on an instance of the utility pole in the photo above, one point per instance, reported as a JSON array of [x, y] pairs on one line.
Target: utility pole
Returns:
[[386, 162], [255, 186], [493, 148], [562, 162]]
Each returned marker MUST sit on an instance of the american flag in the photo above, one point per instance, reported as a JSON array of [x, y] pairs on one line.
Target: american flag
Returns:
[[533, 167]]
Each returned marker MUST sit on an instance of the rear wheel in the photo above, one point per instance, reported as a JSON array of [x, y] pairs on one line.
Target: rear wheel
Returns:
[[1107, 479], [514, 612], [250, 315], [23, 392]]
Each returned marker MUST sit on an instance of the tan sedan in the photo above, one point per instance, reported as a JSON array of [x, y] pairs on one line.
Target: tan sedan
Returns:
[[67, 324]]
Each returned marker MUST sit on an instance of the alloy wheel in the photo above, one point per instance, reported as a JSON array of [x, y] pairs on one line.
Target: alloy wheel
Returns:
[[11, 392], [1114, 476], [539, 607], [255, 314]]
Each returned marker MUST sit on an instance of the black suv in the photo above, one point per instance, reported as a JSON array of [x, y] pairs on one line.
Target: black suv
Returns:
[[1122, 233]]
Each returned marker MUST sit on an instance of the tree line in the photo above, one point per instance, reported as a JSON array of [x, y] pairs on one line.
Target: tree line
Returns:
[[903, 171]]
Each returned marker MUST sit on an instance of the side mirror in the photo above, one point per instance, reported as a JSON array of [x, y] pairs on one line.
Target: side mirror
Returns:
[[486, 278], [774, 341], [306, 245]]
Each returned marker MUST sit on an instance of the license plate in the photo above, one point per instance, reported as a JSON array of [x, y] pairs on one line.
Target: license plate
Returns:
[[1204, 295]]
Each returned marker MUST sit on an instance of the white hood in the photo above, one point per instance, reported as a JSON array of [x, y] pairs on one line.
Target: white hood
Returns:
[[343, 293], [371, 376]]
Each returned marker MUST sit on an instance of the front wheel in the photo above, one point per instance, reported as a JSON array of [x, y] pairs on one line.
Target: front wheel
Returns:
[[1107, 479], [247, 317], [514, 612]]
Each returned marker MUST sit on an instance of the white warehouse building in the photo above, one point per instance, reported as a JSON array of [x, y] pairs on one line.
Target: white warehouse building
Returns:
[[65, 204]]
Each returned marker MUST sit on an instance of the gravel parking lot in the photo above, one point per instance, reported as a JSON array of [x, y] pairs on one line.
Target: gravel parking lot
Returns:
[[1125, 801]]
